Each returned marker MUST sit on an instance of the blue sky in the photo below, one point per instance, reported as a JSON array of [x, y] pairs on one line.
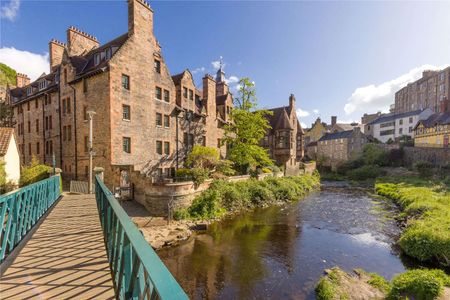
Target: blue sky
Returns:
[[338, 58]]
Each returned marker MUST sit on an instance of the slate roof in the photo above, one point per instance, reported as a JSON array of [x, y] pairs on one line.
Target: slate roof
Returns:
[[5, 138], [392, 117], [436, 119], [279, 119], [337, 135]]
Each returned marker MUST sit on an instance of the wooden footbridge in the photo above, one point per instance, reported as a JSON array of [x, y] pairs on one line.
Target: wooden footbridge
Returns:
[[63, 246]]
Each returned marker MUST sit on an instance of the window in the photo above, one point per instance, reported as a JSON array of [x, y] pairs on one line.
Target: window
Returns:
[[410, 120], [85, 114], [166, 96], [218, 143], [185, 92], [166, 148], [64, 106], [400, 122], [28, 106], [51, 147], [441, 87], [166, 121], [42, 84], [188, 140], [126, 112], [387, 124], [29, 148], [108, 53], [50, 125], [29, 90], [64, 133], [400, 131], [126, 144], [387, 132], [29, 126], [65, 76], [126, 81], [410, 129], [157, 66], [37, 125], [69, 132], [191, 95], [158, 93], [97, 58], [158, 119], [159, 147], [85, 85], [38, 148], [36, 103], [68, 105]]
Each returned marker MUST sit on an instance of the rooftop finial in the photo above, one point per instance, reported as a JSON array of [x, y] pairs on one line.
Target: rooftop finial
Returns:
[[220, 76]]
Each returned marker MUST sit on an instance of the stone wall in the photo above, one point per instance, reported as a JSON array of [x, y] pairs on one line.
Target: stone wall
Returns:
[[436, 156]]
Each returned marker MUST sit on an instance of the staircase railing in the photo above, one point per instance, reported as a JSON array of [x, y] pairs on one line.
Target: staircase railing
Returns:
[[137, 271], [22, 208]]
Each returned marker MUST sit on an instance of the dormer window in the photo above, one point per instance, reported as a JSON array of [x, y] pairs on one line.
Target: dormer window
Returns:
[[157, 66], [29, 90], [42, 84], [108, 53], [97, 58]]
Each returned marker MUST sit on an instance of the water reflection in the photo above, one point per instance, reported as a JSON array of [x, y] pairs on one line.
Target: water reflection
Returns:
[[280, 252]]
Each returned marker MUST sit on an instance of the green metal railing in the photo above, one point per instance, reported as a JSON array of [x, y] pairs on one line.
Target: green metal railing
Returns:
[[22, 208], [137, 271]]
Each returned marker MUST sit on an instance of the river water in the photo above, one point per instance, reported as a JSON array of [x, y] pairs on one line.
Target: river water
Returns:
[[281, 252]]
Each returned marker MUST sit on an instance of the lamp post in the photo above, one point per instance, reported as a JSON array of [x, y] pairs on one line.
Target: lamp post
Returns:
[[91, 114]]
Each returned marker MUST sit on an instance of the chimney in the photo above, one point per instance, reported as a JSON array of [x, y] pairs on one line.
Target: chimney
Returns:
[[292, 101], [209, 94], [333, 120], [22, 80], [140, 18], [445, 105], [56, 50], [79, 42]]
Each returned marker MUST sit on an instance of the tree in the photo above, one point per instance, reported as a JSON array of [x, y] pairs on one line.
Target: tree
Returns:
[[247, 128], [203, 157]]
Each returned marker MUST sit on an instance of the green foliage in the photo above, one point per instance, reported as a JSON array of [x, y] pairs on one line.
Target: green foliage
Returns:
[[364, 172], [376, 281], [203, 157], [427, 205], [225, 167], [266, 170], [223, 196], [34, 172], [325, 290], [183, 173], [199, 175], [2, 174], [274, 168], [420, 284], [246, 130], [424, 168], [7, 75], [373, 155]]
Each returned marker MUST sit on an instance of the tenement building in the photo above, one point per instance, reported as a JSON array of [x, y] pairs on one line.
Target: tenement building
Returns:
[[145, 119], [434, 131], [427, 92]]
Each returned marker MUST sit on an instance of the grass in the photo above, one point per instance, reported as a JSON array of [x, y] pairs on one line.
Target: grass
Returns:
[[426, 204], [225, 197], [376, 280], [328, 287]]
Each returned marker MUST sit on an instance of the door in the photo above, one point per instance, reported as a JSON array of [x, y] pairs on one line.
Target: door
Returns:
[[446, 140]]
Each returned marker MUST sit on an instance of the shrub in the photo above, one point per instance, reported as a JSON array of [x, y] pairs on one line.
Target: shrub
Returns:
[[199, 175], [275, 169], [203, 157], [424, 168], [183, 173], [225, 167], [373, 155], [266, 170], [364, 172], [420, 284], [34, 172]]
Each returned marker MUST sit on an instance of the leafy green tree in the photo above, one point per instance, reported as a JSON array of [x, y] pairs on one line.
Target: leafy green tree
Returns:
[[247, 128], [203, 157]]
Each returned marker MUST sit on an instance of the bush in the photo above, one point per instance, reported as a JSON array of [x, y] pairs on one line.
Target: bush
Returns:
[[364, 173], [420, 284], [203, 157], [373, 155], [275, 169], [199, 175], [183, 173], [266, 170], [34, 173], [225, 167], [424, 168]]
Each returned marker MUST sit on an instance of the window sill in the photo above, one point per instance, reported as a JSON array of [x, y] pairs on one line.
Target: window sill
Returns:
[[126, 120]]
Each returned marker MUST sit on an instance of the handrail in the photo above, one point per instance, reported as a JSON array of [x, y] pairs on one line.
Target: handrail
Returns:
[[137, 271], [22, 208]]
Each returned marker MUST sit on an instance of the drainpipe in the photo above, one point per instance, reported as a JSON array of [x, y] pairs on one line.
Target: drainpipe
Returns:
[[60, 129], [75, 127]]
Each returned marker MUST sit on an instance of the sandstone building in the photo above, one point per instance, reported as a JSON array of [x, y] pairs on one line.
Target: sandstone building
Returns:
[[146, 119], [434, 131], [427, 92]]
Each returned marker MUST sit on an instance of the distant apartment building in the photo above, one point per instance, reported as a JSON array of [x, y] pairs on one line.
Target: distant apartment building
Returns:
[[284, 140], [146, 119], [338, 147], [426, 92], [391, 127], [366, 119], [434, 131]]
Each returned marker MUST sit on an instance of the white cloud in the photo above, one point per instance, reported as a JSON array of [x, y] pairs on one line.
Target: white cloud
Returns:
[[374, 97], [198, 70], [316, 111], [303, 125], [302, 113], [9, 11], [232, 79], [31, 64]]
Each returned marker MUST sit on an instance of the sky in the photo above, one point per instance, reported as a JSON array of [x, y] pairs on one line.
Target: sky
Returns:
[[337, 58]]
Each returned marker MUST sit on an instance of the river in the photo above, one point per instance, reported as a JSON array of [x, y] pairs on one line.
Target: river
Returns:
[[281, 252]]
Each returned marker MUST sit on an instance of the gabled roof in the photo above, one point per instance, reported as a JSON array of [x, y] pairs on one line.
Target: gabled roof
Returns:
[[392, 117], [277, 113], [5, 138], [436, 119], [177, 78], [337, 135]]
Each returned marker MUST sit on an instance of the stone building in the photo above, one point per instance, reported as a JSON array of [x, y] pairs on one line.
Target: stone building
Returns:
[[426, 92], [338, 147], [285, 139], [145, 118], [434, 131], [312, 135]]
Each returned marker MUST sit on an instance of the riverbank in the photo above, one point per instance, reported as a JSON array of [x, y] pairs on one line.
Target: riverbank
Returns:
[[415, 284], [226, 198]]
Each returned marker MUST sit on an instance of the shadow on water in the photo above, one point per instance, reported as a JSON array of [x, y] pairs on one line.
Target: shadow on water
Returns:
[[281, 252]]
